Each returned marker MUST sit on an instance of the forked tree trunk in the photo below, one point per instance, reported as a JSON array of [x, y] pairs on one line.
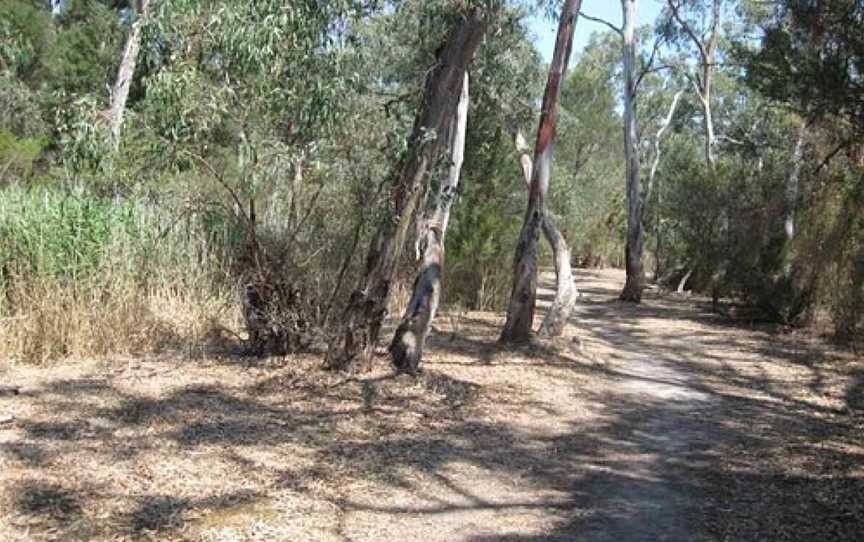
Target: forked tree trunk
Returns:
[[126, 72], [635, 232], [523, 297], [367, 307], [707, 48], [565, 291], [406, 349]]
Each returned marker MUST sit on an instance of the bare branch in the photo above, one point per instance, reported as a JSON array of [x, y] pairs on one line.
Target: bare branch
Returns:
[[617, 30], [648, 65], [731, 140], [689, 31], [666, 122]]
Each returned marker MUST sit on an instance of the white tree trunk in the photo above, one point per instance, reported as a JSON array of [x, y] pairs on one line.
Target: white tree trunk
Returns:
[[657, 138], [57, 7], [633, 253], [406, 349], [652, 180], [792, 183], [565, 291], [126, 72]]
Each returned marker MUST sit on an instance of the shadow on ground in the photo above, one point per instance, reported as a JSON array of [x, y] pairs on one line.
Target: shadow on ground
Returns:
[[681, 428]]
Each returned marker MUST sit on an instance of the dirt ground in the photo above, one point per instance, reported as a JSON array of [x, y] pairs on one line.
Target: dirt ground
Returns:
[[652, 422]]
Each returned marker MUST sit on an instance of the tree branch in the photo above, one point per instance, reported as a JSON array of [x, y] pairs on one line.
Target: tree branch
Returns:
[[666, 122], [689, 31], [617, 30], [648, 65]]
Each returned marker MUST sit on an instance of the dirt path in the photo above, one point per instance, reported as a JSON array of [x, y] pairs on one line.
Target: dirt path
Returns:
[[657, 422]]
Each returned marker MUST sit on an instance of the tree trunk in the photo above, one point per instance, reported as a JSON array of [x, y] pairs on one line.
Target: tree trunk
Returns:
[[125, 74], [792, 182], [705, 100], [683, 282], [565, 291], [635, 232], [362, 319], [791, 197], [652, 181], [406, 349], [57, 7], [523, 297]]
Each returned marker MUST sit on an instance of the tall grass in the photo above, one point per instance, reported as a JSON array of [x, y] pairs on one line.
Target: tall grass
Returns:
[[82, 276]]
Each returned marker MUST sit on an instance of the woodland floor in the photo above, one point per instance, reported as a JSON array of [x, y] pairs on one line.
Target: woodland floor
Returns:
[[656, 422]]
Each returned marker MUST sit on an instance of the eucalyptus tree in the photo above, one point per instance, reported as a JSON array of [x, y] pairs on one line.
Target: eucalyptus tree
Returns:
[[635, 231], [566, 292], [523, 297], [699, 22], [366, 309], [406, 348], [126, 72], [636, 199]]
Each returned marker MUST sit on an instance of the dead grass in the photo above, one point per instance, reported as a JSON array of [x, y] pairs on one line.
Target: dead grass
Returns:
[[54, 321], [759, 437]]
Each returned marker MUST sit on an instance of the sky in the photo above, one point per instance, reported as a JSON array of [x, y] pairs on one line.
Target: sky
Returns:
[[544, 29]]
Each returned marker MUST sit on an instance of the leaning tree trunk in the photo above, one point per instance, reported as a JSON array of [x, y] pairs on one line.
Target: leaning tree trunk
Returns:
[[125, 74], [367, 307], [652, 176], [523, 297], [565, 291], [407, 346], [633, 252]]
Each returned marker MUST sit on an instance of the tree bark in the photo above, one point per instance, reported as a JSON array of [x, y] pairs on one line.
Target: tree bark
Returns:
[[367, 307], [565, 291], [634, 283], [406, 349], [523, 298], [125, 73]]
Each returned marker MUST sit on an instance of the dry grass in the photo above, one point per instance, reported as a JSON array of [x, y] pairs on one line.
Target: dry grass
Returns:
[[54, 321], [641, 423]]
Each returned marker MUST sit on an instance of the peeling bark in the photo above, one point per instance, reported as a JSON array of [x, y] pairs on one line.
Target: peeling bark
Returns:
[[565, 291], [366, 309], [126, 72], [523, 298], [406, 349]]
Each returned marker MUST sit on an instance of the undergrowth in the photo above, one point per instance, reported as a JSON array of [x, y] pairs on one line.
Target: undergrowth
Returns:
[[86, 277]]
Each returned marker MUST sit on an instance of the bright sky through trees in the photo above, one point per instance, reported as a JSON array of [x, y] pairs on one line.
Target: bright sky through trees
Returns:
[[610, 10]]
